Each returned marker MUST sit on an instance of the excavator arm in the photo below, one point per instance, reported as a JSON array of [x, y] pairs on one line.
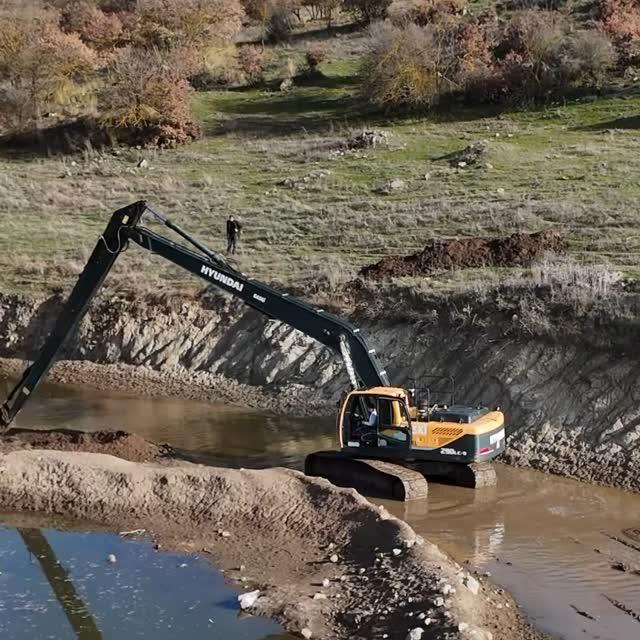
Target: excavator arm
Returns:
[[124, 227]]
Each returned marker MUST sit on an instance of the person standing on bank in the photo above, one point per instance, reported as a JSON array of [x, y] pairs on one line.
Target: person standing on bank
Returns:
[[233, 231]]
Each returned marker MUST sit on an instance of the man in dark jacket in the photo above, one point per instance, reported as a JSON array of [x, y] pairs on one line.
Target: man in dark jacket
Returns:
[[233, 231]]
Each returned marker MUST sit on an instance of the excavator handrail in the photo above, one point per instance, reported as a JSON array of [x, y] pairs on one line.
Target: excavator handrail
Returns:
[[124, 226]]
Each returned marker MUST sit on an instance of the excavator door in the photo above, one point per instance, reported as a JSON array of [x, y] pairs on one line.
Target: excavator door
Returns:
[[374, 421]]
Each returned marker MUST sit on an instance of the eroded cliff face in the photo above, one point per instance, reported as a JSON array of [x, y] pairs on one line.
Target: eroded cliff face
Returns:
[[571, 402]]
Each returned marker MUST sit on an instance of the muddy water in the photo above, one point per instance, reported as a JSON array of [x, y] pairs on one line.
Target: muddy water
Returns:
[[545, 539], [61, 585]]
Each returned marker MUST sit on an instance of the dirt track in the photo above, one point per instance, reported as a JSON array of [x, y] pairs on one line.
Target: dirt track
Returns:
[[278, 524], [516, 250]]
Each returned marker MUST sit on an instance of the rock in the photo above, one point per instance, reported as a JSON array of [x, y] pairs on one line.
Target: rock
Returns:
[[427, 622], [111, 558], [447, 589], [225, 534], [390, 186], [319, 596], [367, 139], [439, 602], [241, 567], [143, 164], [306, 633], [415, 634], [247, 600], [334, 558], [396, 552], [326, 582], [286, 85], [463, 626], [472, 584], [331, 546], [469, 156]]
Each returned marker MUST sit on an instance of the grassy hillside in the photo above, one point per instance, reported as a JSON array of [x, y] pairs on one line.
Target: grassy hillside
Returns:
[[570, 166]]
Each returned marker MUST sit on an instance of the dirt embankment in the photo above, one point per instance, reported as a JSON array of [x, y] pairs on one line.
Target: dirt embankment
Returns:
[[570, 397], [516, 250], [362, 574]]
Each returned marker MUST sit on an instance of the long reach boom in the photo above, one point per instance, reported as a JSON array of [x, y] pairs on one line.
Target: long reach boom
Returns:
[[334, 332]]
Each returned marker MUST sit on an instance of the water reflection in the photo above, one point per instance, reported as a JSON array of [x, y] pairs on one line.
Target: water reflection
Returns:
[[72, 592], [74, 608]]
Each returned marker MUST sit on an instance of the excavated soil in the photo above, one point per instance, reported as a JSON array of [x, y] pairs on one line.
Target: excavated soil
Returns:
[[322, 558], [516, 250], [115, 443]]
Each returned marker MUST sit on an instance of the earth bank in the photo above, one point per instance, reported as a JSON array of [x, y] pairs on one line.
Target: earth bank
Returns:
[[362, 574], [570, 396]]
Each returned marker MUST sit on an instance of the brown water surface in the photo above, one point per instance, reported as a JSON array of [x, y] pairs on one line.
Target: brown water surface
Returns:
[[545, 539]]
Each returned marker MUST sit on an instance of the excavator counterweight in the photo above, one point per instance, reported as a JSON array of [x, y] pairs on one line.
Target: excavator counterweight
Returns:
[[386, 432]]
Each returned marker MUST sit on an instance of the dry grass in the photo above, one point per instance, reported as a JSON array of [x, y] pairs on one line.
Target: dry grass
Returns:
[[571, 167]]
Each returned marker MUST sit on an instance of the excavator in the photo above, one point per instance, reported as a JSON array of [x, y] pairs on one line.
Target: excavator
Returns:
[[391, 439]]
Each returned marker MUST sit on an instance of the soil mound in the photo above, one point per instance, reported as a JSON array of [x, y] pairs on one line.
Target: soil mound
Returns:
[[116, 443], [516, 250], [319, 557]]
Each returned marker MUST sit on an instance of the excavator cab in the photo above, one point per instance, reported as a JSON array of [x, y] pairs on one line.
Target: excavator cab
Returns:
[[375, 419]]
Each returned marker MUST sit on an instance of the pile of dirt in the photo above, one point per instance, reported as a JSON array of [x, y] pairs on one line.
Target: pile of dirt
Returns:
[[516, 250], [116, 443]]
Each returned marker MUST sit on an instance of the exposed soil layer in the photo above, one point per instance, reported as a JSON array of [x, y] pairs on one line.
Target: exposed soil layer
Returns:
[[323, 558], [115, 443], [516, 250], [569, 395]]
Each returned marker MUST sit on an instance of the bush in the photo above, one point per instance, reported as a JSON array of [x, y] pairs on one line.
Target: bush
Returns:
[[423, 12], [322, 9], [41, 68], [253, 62], [621, 20], [146, 99], [98, 30], [279, 26], [405, 66], [187, 23], [366, 11], [591, 56], [540, 58], [316, 55]]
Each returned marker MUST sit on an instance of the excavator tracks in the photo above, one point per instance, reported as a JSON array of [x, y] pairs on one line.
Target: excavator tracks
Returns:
[[370, 477], [384, 479]]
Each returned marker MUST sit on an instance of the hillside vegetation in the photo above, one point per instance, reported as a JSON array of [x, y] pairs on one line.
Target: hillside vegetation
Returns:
[[483, 119]]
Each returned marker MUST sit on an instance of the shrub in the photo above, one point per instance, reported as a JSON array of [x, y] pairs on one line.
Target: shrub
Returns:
[[253, 62], [41, 68], [621, 20], [591, 56], [316, 54], [423, 12], [146, 99], [366, 11], [540, 58], [98, 30], [406, 66], [188, 23], [322, 9], [279, 26]]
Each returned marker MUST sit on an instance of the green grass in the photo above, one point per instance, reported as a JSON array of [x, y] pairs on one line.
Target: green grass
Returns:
[[573, 167]]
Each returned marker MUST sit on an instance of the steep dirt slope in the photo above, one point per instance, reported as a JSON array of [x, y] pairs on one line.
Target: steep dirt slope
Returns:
[[571, 400]]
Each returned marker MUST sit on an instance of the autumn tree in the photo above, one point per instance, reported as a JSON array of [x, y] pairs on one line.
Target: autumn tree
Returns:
[[146, 98], [41, 68], [188, 23]]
